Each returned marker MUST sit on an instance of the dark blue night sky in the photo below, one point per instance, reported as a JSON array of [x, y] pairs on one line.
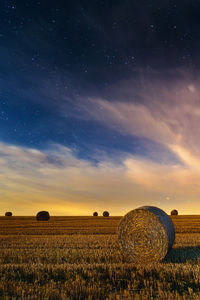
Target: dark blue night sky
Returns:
[[54, 54]]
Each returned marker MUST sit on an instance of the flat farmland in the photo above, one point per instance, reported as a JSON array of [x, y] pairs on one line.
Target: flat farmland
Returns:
[[80, 258], [59, 225]]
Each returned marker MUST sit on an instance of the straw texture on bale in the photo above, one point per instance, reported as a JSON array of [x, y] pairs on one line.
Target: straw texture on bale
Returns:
[[146, 234], [105, 214], [95, 214], [43, 216], [8, 214], [174, 212]]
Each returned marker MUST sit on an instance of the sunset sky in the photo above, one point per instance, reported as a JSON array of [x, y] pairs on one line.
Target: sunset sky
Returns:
[[99, 106]]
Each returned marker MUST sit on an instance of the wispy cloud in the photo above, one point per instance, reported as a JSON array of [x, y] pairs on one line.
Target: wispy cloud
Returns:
[[57, 180], [165, 112]]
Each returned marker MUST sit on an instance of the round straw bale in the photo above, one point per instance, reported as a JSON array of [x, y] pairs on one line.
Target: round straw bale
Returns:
[[146, 234], [105, 214], [43, 216], [174, 212], [95, 214], [8, 214]]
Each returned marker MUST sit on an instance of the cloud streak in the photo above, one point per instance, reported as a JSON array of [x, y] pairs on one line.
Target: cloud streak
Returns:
[[165, 112], [168, 113], [55, 179]]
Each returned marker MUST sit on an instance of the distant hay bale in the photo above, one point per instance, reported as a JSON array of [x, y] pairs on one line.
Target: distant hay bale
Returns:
[[105, 214], [8, 214], [43, 216], [146, 234], [95, 214], [174, 212]]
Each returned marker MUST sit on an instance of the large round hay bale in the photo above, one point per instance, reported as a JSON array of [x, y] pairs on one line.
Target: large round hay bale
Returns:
[[174, 212], [105, 214], [8, 214], [95, 214], [43, 216], [146, 234]]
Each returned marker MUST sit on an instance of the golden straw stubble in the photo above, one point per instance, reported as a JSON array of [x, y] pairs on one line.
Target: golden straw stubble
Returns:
[[146, 234]]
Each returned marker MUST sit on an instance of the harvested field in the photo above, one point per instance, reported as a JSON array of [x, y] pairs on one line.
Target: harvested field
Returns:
[[59, 225], [80, 258]]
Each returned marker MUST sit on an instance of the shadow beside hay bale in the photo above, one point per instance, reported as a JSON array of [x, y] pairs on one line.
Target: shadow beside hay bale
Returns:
[[183, 255]]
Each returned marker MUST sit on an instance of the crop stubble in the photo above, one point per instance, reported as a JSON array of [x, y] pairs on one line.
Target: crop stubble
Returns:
[[75, 257]]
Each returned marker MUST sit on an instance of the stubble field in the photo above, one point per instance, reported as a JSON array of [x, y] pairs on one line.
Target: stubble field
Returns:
[[80, 258]]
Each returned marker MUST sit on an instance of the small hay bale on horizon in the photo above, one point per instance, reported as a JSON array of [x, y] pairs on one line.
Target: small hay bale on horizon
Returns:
[[95, 214], [146, 234], [42, 216], [8, 214], [174, 212], [106, 213]]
